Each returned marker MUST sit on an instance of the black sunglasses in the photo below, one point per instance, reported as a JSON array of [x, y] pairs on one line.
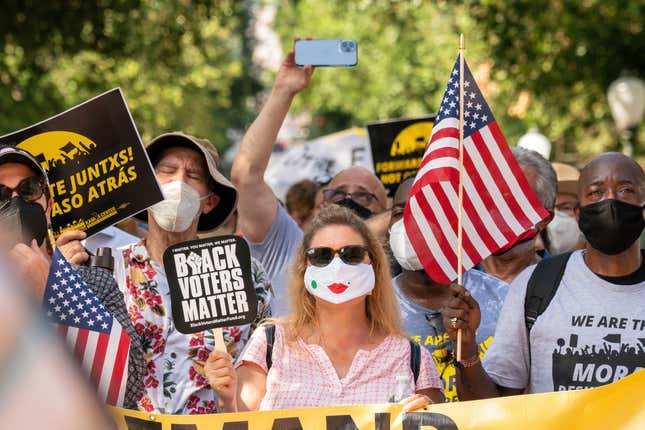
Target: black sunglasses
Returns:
[[322, 256], [361, 197], [29, 189]]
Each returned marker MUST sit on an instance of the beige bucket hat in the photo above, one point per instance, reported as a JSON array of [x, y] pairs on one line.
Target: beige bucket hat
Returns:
[[221, 186]]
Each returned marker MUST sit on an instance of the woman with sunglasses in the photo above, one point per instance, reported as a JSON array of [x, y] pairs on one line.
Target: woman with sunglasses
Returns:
[[343, 343]]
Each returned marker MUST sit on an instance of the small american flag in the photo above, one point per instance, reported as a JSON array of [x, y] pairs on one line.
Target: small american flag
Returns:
[[498, 203], [95, 336]]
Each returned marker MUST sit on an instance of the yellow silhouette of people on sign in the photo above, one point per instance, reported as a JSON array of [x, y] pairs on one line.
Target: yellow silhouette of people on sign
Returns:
[[411, 139], [406, 152], [57, 147]]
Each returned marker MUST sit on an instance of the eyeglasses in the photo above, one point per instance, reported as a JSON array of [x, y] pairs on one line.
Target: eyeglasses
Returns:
[[322, 256], [363, 198], [29, 189]]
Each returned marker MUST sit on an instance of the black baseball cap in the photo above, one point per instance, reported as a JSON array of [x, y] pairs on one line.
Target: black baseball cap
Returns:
[[13, 154]]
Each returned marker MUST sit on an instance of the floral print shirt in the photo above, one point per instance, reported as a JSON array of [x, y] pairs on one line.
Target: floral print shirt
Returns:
[[174, 382]]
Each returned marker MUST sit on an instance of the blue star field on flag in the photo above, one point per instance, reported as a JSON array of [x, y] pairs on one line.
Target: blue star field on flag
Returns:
[[477, 114], [69, 300]]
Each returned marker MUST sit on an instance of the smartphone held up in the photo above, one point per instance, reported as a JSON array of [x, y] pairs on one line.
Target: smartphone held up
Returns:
[[326, 52]]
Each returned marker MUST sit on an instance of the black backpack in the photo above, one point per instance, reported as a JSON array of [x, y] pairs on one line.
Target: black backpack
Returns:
[[415, 352], [542, 286]]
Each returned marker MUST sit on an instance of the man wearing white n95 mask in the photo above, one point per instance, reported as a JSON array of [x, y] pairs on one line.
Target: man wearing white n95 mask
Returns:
[[180, 207], [197, 197], [421, 299]]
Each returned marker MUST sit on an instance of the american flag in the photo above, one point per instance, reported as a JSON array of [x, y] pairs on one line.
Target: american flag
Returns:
[[95, 336], [498, 203]]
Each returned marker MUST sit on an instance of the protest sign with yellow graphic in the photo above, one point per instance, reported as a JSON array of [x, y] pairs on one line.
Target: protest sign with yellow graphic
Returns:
[[398, 147], [98, 169], [620, 405], [62, 147]]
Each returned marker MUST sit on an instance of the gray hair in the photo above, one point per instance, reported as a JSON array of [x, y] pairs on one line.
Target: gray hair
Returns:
[[546, 184]]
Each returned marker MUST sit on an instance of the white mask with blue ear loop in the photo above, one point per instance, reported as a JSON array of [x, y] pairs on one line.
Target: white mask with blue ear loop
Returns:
[[402, 247]]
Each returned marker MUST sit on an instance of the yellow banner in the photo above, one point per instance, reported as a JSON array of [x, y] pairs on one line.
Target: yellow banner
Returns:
[[620, 405]]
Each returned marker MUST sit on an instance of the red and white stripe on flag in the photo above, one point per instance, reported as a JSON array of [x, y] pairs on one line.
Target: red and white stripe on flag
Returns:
[[499, 205], [104, 357]]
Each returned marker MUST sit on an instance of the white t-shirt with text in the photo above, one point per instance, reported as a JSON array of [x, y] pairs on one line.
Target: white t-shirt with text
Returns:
[[591, 334]]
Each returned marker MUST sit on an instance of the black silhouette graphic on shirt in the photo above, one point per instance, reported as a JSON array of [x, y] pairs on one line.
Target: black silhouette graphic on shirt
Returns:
[[577, 367]]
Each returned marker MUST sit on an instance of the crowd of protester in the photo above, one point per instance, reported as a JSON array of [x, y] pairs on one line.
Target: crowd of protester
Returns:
[[346, 312]]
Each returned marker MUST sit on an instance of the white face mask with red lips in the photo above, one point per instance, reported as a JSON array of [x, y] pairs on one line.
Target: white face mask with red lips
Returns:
[[339, 282]]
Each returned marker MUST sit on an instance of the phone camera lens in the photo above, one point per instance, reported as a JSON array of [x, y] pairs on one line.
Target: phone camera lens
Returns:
[[347, 46]]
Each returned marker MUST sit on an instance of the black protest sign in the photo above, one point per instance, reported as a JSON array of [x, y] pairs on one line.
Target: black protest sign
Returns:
[[98, 169], [211, 284], [398, 147]]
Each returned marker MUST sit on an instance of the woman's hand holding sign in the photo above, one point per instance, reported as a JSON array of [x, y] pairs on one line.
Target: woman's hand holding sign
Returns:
[[418, 401], [211, 287], [222, 378]]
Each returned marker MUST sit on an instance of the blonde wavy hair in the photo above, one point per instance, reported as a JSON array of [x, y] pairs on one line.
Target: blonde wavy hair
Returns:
[[381, 307]]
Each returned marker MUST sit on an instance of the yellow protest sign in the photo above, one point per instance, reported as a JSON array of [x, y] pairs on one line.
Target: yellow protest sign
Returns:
[[98, 170], [620, 405], [398, 147]]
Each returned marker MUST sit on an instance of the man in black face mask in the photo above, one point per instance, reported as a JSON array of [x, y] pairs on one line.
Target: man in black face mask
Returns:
[[591, 331], [357, 189], [610, 214], [25, 207]]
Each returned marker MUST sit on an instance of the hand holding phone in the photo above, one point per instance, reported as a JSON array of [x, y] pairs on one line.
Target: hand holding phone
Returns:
[[326, 52]]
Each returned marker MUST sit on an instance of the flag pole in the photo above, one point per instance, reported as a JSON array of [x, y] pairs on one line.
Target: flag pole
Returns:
[[461, 170]]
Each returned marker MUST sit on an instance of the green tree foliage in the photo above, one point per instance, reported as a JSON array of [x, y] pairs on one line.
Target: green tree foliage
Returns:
[[565, 53], [545, 63], [182, 64], [405, 52], [186, 64]]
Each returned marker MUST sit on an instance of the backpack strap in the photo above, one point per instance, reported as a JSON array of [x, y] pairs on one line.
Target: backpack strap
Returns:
[[542, 286], [269, 331], [415, 359]]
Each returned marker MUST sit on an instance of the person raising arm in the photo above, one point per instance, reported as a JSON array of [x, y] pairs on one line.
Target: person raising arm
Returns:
[[257, 205]]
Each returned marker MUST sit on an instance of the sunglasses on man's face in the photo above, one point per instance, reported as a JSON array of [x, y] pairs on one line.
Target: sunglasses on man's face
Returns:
[[322, 256], [361, 197], [29, 189]]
